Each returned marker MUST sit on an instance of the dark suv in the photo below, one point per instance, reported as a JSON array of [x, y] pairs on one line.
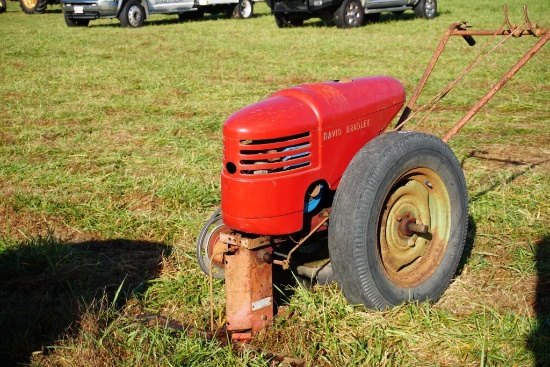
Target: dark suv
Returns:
[[346, 13]]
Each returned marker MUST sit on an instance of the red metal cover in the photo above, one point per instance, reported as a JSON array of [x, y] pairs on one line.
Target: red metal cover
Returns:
[[275, 149]]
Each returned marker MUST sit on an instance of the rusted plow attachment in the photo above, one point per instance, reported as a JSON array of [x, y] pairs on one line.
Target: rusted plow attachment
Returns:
[[508, 30]]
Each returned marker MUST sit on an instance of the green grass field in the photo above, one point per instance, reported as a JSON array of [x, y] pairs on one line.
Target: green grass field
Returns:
[[110, 154]]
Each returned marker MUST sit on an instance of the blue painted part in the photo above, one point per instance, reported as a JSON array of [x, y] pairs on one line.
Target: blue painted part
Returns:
[[313, 202]]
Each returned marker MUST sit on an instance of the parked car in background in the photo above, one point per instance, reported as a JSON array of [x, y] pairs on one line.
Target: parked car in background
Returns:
[[132, 13], [346, 13]]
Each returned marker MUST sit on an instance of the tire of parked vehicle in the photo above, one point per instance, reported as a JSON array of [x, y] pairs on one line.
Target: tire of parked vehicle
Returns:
[[399, 221], [349, 15], [426, 9], [284, 21], [33, 6], [76, 22], [132, 14], [243, 10]]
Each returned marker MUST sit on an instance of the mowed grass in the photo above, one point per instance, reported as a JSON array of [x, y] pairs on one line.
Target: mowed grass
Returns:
[[110, 154]]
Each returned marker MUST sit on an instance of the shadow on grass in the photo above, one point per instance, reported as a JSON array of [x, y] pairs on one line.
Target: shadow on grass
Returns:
[[46, 284], [539, 340], [528, 167]]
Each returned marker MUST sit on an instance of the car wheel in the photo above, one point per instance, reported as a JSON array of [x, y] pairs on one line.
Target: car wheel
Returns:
[[398, 222], [132, 14], [76, 22], [243, 10], [350, 14], [426, 9]]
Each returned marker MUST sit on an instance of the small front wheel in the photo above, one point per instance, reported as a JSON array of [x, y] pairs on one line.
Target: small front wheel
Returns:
[[349, 15], [426, 9], [132, 14], [207, 251], [398, 222]]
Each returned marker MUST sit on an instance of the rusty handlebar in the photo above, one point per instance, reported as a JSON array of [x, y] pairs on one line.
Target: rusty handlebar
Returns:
[[461, 29]]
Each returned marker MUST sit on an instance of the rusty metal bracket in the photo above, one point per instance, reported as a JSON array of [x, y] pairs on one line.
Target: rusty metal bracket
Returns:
[[461, 29], [237, 239]]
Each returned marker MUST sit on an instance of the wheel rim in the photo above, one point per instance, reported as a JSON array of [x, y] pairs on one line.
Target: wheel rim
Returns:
[[429, 8], [353, 14], [134, 16], [414, 227], [29, 4], [210, 249], [246, 9]]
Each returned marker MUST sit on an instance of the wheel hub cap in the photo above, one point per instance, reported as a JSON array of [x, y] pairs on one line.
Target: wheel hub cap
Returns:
[[415, 227]]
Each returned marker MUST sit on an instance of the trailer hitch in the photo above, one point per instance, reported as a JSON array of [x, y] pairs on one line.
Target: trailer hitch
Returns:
[[508, 30]]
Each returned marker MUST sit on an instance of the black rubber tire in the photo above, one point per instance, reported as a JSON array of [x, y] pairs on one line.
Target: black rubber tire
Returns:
[[426, 9], [75, 22], [132, 14], [243, 10], [214, 223], [2, 6], [350, 14], [372, 190], [191, 15], [33, 6]]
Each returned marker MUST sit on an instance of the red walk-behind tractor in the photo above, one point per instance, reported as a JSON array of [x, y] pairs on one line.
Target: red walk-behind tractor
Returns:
[[397, 202], [312, 182]]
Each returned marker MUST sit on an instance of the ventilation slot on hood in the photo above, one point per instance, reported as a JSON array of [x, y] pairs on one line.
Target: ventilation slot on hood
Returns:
[[275, 155]]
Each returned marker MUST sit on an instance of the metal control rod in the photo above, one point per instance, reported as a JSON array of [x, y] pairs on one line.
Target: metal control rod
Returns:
[[461, 29]]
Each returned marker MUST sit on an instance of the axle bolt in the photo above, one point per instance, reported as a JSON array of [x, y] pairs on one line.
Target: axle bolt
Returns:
[[265, 256], [417, 228]]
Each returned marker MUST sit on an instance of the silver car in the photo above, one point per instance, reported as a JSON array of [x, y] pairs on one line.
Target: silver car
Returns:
[[132, 13], [346, 13]]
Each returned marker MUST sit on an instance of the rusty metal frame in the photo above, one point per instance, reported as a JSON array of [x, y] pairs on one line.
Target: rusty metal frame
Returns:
[[461, 29]]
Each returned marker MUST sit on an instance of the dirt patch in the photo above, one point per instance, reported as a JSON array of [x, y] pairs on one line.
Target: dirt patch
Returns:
[[22, 225]]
